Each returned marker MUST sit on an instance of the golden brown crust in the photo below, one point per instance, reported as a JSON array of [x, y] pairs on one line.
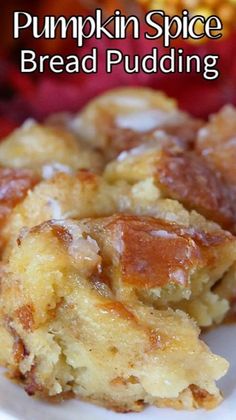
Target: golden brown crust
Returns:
[[119, 309], [25, 315], [185, 177], [196, 398], [153, 252], [18, 350], [179, 175], [14, 185], [202, 398]]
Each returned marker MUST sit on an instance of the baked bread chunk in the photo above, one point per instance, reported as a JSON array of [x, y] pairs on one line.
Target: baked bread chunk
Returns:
[[47, 150], [165, 264], [216, 143], [14, 186], [30, 154], [182, 176], [123, 118], [78, 195], [63, 318]]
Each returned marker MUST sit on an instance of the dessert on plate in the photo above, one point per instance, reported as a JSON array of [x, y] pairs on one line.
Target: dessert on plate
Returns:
[[117, 244], [63, 318]]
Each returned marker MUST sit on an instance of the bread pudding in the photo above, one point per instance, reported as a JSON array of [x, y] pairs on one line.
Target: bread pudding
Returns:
[[117, 245], [57, 199], [63, 321], [182, 176]]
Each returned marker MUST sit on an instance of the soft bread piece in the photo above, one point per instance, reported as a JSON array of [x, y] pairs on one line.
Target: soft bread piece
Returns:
[[46, 150], [182, 176], [216, 142], [14, 186], [78, 195], [123, 118], [64, 323], [165, 264]]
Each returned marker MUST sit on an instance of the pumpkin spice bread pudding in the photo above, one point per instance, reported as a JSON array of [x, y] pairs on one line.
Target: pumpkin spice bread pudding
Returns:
[[117, 246]]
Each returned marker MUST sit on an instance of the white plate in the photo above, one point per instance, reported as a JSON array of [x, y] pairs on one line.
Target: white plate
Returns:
[[15, 404]]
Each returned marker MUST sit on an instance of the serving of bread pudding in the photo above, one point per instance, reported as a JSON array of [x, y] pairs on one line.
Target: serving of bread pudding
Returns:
[[117, 247]]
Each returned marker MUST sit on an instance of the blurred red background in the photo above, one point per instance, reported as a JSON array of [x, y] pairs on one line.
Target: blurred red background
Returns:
[[38, 95]]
